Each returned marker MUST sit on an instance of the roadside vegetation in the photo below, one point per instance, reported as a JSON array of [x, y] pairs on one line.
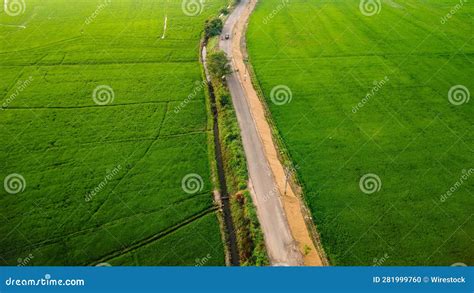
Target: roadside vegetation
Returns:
[[369, 95], [213, 27], [249, 235], [218, 66]]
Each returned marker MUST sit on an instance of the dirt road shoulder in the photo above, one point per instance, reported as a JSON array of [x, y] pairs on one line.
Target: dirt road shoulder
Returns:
[[292, 202]]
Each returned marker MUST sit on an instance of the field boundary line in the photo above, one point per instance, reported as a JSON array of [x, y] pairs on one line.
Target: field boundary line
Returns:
[[87, 106], [52, 44], [14, 82], [57, 239], [153, 238], [62, 63], [93, 106], [136, 163], [418, 54], [111, 142]]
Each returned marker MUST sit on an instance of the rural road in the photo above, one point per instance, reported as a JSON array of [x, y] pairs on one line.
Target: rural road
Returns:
[[281, 246]]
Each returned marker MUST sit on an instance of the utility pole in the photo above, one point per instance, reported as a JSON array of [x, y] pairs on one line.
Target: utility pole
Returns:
[[246, 73], [287, 177]]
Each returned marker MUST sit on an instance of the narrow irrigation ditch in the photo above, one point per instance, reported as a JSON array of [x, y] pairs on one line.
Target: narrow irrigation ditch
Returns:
[[231, 238]]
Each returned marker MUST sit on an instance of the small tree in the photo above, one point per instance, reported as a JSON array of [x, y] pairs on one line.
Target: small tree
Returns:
[[224, 11], [218, 65], [213, 27]]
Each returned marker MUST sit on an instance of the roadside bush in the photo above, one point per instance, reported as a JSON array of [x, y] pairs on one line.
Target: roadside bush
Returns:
[[213, 27], [224, 11], [224, 96], [218, 65]]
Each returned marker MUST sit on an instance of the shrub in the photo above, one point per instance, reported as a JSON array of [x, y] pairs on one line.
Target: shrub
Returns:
[[213, 27], [224, 11], [218, 65]]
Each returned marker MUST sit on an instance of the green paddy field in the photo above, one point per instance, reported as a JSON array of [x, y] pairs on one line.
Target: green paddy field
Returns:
[[382, 92], [92, 119]]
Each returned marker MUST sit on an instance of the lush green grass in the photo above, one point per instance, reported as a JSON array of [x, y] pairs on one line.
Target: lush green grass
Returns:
[[205, 234], [65, 145], [329, 54]]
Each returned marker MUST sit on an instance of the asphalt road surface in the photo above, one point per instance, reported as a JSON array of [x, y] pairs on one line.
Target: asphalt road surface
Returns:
[[279, 241]]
